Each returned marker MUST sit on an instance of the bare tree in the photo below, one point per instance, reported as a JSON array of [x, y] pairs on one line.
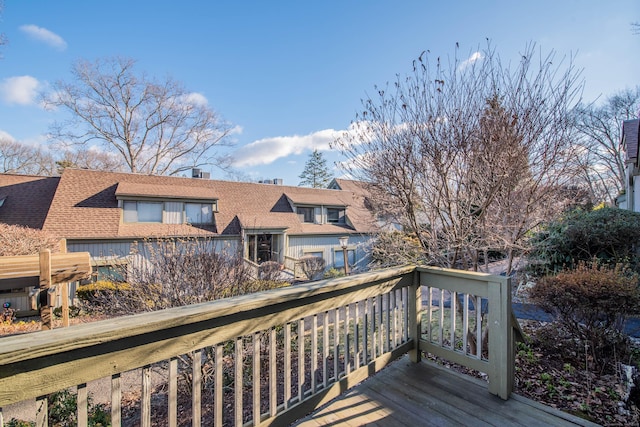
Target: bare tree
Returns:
[[603, 157], [155, 127], [19, 158], [89, 159], [471, 156]]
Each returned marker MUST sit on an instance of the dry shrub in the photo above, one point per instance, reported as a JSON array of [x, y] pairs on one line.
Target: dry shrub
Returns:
[[590, 304], [312, 266], [17, 240], [176, 272]]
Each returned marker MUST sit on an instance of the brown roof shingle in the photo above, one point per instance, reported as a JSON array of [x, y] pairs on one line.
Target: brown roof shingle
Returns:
[[26, 199], [85, 206]]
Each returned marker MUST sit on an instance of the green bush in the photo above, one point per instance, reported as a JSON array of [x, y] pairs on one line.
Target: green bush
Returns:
[[333, 272], [73, 311], [62, 411], [591, 303], [19, 423], [608, 235]]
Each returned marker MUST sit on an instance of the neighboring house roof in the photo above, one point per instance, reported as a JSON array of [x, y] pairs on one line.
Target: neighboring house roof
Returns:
[[26, 199], [630, 132], [85, 206]]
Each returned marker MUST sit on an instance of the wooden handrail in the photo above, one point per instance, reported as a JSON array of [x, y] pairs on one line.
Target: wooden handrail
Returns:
[[357, 324]]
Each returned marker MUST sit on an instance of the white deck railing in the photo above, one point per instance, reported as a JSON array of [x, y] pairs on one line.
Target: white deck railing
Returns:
[[264, 358]]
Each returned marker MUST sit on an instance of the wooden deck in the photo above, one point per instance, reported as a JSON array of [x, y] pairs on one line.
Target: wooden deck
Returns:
[[423, 394]]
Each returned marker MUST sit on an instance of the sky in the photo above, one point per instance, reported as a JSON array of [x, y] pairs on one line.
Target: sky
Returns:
[[291, 75]]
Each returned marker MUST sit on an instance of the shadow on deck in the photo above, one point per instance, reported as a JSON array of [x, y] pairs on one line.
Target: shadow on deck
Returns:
[[424, 394]]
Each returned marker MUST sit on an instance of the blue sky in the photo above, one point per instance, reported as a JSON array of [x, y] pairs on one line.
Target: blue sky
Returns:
[[289, 74]]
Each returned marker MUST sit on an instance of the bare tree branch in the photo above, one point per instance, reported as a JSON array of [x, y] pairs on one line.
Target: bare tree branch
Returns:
[[155, 127]]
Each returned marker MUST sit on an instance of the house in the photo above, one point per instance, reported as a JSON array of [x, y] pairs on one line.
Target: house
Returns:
[[630, 134], [109, 214]]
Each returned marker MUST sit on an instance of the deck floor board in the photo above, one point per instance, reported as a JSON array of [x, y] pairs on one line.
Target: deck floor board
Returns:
[[423, 394]]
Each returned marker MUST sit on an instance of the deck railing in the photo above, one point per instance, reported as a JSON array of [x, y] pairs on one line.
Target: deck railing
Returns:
[[266, 358]]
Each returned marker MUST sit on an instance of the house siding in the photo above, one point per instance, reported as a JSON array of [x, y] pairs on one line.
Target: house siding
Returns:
[[300, 245]]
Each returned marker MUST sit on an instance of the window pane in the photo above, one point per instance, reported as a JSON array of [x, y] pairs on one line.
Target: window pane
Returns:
[[173, 213], [339, 258], [130, 212], [149, 212], [306, 214], [335, 215], [198, 213]]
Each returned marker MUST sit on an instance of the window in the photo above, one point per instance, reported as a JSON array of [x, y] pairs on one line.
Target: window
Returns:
[[317, 254], [338, 259], [198, 213], [335, 215], [306, 214], [168, 212], [142, 211]]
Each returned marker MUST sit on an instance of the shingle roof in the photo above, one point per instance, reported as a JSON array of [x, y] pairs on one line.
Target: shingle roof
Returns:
[[165, 191], [26, 199], [85, 206]]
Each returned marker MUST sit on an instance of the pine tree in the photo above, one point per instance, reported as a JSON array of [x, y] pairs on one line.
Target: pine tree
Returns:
[[315, 173]]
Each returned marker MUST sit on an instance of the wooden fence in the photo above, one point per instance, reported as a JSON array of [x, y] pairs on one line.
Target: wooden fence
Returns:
[[270, 357], [46, 270]]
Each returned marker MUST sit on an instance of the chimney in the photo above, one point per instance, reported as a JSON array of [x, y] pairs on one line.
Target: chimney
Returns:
[[197, 173]]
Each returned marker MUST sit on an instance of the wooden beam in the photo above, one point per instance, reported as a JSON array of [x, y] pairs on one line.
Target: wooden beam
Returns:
[[45, 283], [67, 267]]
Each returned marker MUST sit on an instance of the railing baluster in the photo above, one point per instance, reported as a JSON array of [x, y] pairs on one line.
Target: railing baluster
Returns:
[[454, 308], [314, 351], [238, 386], [116, 401], [325, 350], [145, 400], [387, 338], [477, 304], [273, 373], [429, 313], [394, 296], [301, 379], [465, 324], [336, 344], [287, 365], [172, 398], [42, 411], [356, 336], [83, 403], [218, 392], [374, 333], [365, 335], [347, 343], [256, 378], [379, 301], [441, 319]]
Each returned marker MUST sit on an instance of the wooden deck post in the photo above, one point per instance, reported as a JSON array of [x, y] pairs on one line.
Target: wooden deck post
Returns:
[[501, 344], [64, 290], [415, 317], [45, 283]]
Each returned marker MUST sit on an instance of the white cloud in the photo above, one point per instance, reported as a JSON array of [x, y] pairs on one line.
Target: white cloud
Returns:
[[195, 98], [44, 35], [475, 56], [21, 90], [5, 136], [267, 150]]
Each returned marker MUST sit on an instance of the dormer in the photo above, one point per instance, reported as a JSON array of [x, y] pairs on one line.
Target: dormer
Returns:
[[166, 204], [312, 211]]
